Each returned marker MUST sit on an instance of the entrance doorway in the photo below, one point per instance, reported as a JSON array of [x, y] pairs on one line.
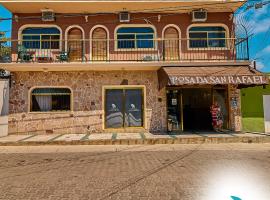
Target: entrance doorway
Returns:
[[75, 44], [99, 44], [196, 109], [188, 109]]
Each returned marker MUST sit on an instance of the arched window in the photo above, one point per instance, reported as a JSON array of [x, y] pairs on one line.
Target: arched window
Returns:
[[50, 99], [41, 38], [207, 36], [135, 37]]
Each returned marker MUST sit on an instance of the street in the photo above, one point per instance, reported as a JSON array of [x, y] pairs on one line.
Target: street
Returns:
[[188, 172]]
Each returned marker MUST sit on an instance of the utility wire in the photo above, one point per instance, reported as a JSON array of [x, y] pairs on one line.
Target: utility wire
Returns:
[[161, 9]]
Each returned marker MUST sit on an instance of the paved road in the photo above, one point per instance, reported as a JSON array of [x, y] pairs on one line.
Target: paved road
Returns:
[[192, 172]]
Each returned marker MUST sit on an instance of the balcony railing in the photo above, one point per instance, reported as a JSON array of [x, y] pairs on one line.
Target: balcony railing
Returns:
[[147, 50]]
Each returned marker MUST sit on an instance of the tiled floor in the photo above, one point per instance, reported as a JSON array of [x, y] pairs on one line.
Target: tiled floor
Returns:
[[161, 138]]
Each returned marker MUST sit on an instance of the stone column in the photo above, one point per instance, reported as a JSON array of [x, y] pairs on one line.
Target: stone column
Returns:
[[235, 108], [4, 104]]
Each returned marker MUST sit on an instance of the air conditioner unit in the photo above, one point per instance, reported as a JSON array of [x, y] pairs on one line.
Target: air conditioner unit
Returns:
[[199, 15], [124, 17], [150, 58], [48, 15]]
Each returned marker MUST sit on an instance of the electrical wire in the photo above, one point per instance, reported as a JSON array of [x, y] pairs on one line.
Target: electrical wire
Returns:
[[161, 9]]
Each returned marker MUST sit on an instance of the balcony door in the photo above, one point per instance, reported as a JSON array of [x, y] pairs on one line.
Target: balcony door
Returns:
[[171, 44], [75, 44], [99, 44]]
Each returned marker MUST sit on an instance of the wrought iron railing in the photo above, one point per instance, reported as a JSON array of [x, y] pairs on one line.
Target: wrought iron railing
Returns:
[[142, 50]]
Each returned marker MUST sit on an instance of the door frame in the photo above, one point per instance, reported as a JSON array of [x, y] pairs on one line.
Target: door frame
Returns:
[[180, 88], [91, 40], [179, 97], [106, 87]]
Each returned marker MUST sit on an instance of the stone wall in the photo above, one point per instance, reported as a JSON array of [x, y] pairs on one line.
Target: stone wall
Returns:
[[235, 108], [87, 101], [87, 114]]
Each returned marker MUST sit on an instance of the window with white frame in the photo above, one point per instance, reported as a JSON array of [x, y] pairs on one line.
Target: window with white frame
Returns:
[[41, 38], [207, 36], [135, 37], [50, 99]]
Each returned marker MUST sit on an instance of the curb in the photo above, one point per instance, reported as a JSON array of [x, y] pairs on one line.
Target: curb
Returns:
[[146, 141]]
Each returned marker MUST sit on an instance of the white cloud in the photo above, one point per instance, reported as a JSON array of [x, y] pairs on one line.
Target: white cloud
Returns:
[[261, 26], [256, 21], [260, 65], [260, 12], [266, 50], [263, 52]]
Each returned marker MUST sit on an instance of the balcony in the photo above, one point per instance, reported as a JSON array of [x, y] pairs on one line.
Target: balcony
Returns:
[[159, 51]]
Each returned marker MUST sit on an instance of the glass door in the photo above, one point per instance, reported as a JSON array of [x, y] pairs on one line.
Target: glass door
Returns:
[[114, 108], [133, 108], [174, 111], [123, 108]]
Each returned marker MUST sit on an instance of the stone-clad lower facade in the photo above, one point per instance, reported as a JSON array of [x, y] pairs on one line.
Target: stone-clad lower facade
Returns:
[[87, 102]]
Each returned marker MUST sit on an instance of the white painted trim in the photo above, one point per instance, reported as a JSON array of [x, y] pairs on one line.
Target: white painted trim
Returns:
[[66, 36], [108, 39], [179, 34], [174, 26], [209, 24], [135, 25], [42, 26], [35, 87]]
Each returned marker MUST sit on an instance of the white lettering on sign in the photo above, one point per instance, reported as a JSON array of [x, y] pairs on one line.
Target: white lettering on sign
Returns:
[[181, 80]]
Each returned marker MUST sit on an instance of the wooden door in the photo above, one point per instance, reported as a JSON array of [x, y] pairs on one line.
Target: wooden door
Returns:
[[75, 44], [99, 45], [171, 44]]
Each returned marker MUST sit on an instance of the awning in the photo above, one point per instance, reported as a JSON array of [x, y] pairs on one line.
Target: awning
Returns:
[[242, 76]]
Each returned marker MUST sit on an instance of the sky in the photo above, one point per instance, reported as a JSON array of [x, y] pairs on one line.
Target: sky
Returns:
[[256, 22]]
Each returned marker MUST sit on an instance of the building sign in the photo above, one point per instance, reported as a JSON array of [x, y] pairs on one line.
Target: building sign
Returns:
[[174, 102], [248, 80]]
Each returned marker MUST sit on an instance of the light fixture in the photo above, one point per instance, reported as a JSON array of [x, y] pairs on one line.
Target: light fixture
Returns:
[[231, 16], [86, 18], [159, 18], [16, 18]]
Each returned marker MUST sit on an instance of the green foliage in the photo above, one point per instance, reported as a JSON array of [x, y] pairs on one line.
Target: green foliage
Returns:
[[5, 49]]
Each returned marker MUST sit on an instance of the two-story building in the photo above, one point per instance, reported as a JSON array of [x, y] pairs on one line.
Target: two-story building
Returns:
[[104, 66]]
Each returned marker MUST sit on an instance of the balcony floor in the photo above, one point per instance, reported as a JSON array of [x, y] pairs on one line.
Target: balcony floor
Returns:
[[105, 66]]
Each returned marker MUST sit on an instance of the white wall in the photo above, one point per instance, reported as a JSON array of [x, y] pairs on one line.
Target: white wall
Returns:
[[266, 107], [4, 103]]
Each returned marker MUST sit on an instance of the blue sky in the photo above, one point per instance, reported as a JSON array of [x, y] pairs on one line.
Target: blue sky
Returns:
[[256, 21]]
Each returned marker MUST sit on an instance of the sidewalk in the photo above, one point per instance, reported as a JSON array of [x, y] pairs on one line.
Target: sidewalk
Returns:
[[133, 139]]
